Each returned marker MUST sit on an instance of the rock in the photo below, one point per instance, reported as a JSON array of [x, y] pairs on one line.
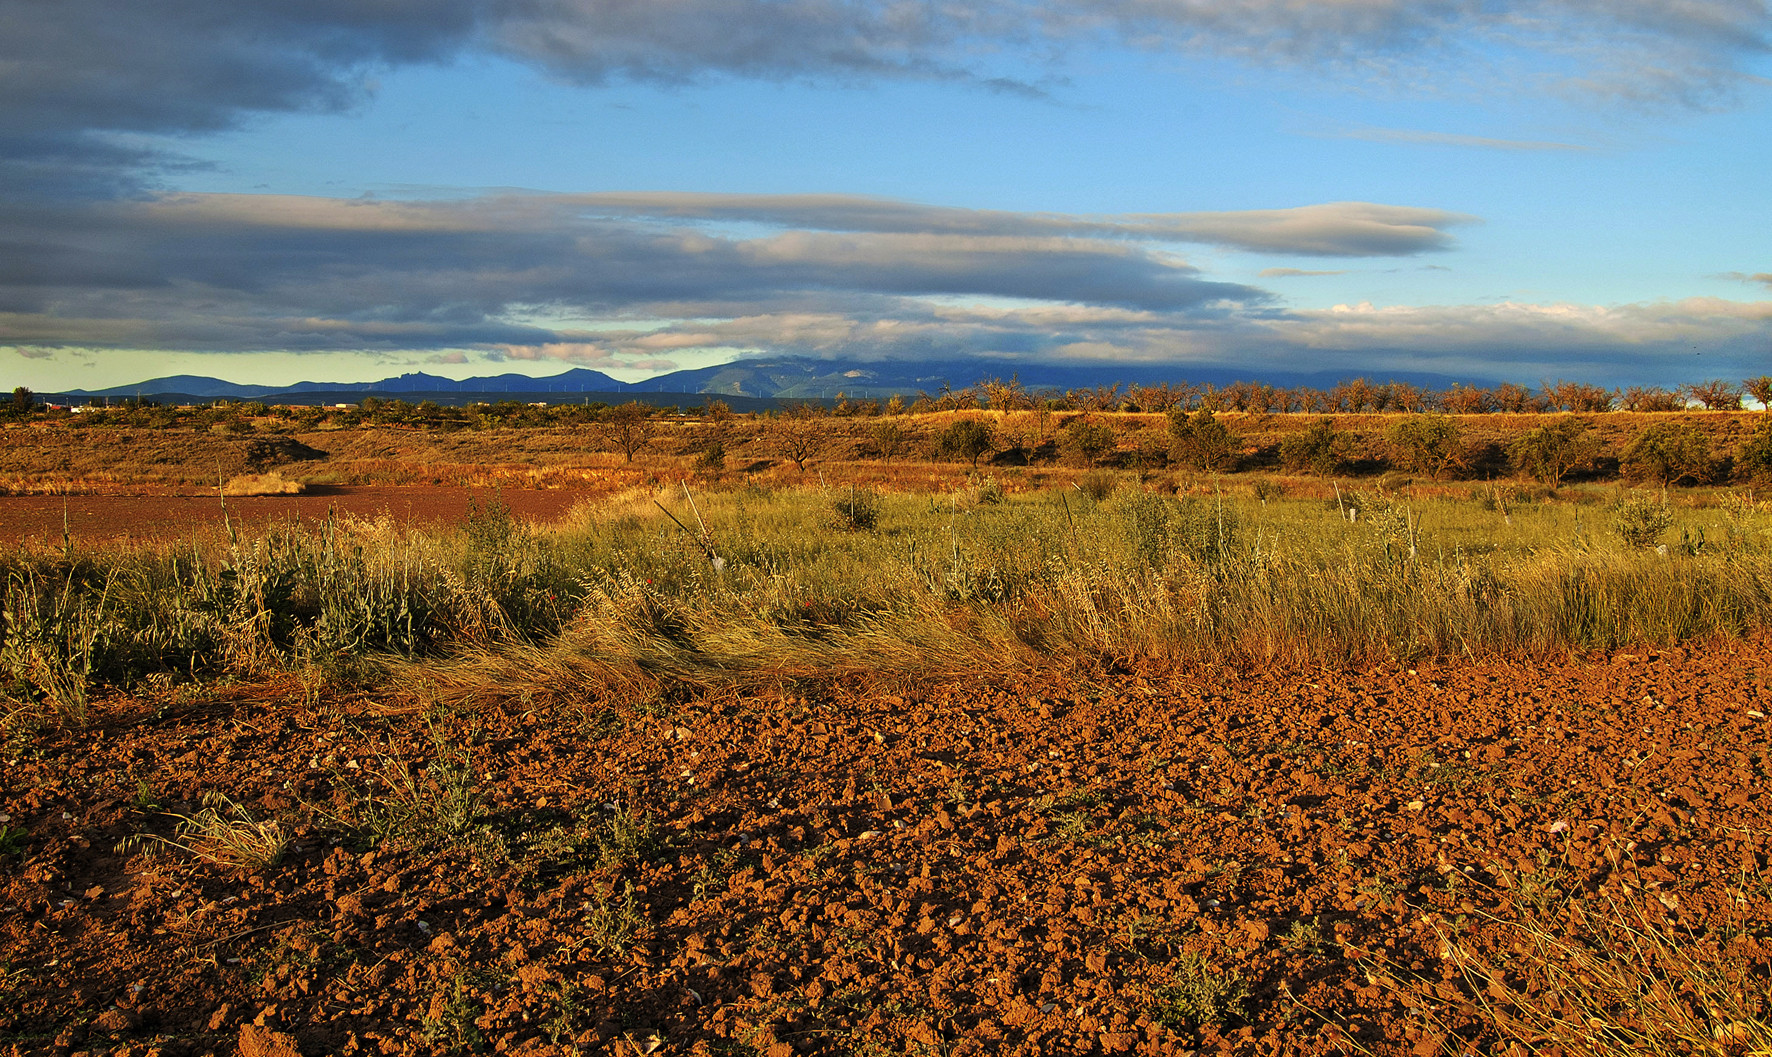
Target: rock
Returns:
[[263, 1042]]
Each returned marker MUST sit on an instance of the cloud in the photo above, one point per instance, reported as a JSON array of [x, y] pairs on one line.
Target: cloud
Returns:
[[82, 80], [639, 282], [259, 272], [1449, 139], [1743, 277], [1335, 229], [1288, 273]]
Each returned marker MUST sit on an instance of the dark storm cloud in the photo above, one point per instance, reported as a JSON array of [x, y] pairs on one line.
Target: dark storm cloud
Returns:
[[76, 74]]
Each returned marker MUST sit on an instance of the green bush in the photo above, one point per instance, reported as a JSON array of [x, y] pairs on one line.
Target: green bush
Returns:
[[965, 438], [1089, 440], [1430, 444], [1668, 453], [1642, 520], [1549, 453], [857, 511], [1753, 462], [1322, 449], [1201, 441]]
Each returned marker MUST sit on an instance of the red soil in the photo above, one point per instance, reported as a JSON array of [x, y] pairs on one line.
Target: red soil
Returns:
[[103, 519], [958, 868]]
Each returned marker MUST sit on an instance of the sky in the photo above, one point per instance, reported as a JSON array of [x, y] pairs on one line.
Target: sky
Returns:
[[342, 190]]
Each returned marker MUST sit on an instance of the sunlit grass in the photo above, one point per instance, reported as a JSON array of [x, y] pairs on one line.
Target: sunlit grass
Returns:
[[755, 583]]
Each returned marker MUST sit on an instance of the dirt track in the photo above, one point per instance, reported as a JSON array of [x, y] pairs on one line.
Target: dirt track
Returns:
[[948, 868]]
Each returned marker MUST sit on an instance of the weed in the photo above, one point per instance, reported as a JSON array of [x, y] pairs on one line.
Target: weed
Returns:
[[450, 1023], [223, 833], [611, 923], [1198, 994], [12, 840], [561, 1026], [440, 805], [145, 799], [626, 837], [1305, 937]]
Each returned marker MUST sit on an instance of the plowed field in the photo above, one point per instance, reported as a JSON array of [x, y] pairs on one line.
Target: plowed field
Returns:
[[1211, 860]]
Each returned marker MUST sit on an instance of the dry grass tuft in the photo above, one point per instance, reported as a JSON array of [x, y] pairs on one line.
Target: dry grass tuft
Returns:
[[223, 833], [262, 484], [1604, 977]]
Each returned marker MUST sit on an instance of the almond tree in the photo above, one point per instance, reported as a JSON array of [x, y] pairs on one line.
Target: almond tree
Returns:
[[1715, 395], [627, 428], [1760, 389], [799, 432]]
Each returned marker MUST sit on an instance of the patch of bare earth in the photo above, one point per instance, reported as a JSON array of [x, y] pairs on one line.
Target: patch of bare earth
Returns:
[[1037, 867]]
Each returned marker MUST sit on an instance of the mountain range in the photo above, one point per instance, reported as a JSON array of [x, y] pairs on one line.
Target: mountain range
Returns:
[[759, 379]]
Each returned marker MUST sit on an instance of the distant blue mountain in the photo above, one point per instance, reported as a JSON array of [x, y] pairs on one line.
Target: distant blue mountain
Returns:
[[577, 380], [789, 378]]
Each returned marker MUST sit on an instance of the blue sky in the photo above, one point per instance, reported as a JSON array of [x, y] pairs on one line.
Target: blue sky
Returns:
[[1515, 190]]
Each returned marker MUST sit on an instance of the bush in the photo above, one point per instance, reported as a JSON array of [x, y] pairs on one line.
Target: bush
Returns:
[[858, 511], [1549, 453], [965, 438], [1090, 440], [1201, 441], [1668, 453], [1754, 461], [1429, 444], [712, 459], [1322, 449], [1097, 485], [1642, 520]]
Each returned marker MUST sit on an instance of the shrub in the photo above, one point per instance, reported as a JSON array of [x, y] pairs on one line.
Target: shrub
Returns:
[[1201, 441], [1430, 444], [1754, 461], [1322, 449], [1642, 520], [1668, 453], [889, 440], [1549, 453], [965, 438], [712, 459], [857, 511], [1090, 440], [1097, 485]]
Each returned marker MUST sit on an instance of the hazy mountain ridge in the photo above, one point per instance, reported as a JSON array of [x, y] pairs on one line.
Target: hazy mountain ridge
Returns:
[[779, 379]]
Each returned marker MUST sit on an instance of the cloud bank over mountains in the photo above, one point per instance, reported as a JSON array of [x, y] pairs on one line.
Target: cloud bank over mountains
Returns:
[[96, 94], [628, 280]]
